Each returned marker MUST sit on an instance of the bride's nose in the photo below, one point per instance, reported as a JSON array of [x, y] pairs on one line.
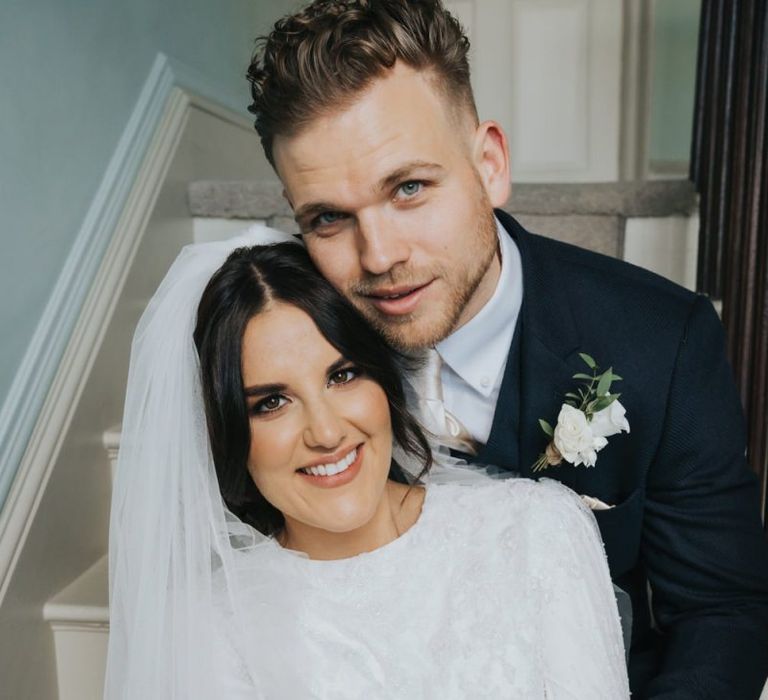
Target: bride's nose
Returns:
[[324, 428]]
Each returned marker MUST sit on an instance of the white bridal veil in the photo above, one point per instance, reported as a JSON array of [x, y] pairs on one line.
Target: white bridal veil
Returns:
[[179, 562], [172, 541]]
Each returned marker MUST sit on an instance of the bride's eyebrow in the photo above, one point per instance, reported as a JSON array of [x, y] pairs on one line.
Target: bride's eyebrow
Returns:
[[336, 366], [260, 389]]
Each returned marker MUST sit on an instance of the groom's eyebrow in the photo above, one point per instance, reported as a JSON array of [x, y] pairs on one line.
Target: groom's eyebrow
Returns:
[[408, 171], [313, 209]]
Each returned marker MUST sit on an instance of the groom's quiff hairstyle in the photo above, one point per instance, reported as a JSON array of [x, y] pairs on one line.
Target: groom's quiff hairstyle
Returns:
[[316, 61]]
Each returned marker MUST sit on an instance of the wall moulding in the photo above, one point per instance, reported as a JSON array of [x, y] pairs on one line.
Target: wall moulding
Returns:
[[46, 389]]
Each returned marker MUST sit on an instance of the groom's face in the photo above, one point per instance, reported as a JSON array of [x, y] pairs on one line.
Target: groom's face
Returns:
[[394, 194]]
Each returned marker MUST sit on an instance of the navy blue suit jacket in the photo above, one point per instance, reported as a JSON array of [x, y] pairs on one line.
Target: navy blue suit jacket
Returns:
[[684, 538]]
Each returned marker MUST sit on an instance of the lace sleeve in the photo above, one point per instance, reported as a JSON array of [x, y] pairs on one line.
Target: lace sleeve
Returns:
[[583, 651]]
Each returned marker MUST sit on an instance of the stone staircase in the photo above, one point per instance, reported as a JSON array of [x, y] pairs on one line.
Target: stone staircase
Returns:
[[79, 618], [605, 218], [652, 224]]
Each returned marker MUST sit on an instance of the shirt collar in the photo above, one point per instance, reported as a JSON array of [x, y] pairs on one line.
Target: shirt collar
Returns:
[[478, 351]]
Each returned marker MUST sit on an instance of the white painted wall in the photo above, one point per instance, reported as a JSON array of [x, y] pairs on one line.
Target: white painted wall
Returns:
[[550, 72], [69, 530], [72, 75]]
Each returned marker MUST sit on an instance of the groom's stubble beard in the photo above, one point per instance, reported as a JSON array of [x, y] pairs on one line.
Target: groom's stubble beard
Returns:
[[428, 326]]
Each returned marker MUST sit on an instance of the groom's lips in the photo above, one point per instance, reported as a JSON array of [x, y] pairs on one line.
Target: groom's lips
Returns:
[[398, 301]]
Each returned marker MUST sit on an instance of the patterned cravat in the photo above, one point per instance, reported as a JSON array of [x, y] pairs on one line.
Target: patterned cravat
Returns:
[[428, 400]]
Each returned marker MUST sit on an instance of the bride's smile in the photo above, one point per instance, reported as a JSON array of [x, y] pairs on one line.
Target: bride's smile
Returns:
[[321, 437], [345, 469]]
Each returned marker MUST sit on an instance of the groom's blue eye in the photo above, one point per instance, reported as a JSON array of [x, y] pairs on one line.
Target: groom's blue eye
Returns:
[[410, 188], [327, 218]]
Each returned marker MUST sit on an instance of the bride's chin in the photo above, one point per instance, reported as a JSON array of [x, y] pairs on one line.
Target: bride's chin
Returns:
[[348, 523], [355, 525]]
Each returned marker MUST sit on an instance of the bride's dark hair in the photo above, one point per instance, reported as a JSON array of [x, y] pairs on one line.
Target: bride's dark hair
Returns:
[[250, 279]]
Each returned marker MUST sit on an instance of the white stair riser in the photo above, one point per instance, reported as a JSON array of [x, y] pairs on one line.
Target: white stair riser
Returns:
[[81, 659]]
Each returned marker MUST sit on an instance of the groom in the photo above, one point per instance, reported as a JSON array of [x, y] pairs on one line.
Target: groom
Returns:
[[366, 112]]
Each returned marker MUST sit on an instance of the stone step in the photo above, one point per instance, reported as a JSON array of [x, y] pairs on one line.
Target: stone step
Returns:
[[645, 223], [628, 200]]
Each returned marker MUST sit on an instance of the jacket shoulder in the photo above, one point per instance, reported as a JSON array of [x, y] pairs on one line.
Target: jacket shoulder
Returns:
[[616, 283]]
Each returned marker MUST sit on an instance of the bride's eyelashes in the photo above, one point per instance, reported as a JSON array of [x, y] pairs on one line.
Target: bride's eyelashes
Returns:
[[344, 375], [267, 405], [274, 402]]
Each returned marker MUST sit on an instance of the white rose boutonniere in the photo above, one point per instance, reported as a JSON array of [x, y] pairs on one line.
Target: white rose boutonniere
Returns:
[[574, 438], [587, 419], [610, 421]]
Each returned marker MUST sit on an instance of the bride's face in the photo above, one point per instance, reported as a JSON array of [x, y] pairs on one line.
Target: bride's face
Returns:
[[310, 412]]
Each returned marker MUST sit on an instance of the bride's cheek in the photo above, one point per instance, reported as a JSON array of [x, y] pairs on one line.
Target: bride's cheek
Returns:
[[368, 410], [271, 454], [377, 410]]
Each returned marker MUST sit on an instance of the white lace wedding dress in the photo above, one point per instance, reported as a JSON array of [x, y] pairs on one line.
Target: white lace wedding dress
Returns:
[[499, 590]]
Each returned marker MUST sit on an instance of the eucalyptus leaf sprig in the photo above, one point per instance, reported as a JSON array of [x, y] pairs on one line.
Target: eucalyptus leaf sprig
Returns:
[[592, 397]]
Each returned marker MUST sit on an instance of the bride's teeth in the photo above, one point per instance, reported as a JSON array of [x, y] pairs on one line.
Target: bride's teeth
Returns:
[[332, 469]]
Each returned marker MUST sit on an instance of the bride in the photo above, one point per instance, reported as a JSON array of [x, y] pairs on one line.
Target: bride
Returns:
[[267, 542]]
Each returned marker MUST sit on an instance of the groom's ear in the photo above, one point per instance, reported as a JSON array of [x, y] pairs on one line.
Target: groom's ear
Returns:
[[490, 154]]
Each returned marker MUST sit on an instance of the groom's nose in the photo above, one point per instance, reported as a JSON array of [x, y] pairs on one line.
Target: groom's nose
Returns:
[[380, 245]]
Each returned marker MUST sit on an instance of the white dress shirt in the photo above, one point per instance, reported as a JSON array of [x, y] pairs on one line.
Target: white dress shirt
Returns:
[[475, 356]]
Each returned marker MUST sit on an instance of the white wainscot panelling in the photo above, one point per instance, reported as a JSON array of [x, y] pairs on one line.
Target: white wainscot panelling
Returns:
[[550, 86], [549, 71]]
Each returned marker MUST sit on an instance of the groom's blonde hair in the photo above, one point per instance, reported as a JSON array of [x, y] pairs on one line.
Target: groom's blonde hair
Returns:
[[317, 60]]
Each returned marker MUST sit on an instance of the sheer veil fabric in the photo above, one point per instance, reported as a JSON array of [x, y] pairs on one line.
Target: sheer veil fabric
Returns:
[[172, 541]]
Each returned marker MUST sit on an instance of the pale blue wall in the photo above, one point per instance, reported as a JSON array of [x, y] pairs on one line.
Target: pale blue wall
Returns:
[[70, 74], [675, 41]]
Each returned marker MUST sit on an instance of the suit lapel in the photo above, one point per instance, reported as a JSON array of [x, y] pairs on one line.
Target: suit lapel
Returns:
[[549, 345], [503, 446]]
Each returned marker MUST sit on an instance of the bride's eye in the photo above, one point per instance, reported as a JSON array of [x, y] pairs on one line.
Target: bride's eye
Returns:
[[344, 376], [269, 404]]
